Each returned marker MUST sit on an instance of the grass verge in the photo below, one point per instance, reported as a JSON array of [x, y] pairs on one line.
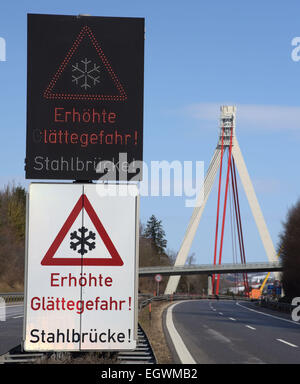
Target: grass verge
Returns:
[[153, 326]]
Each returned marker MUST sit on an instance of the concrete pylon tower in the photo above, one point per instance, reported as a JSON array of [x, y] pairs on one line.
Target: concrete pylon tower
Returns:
[[227, 128]]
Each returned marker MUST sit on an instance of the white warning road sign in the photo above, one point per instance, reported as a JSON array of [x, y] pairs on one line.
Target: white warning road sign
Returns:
[[81, 267]]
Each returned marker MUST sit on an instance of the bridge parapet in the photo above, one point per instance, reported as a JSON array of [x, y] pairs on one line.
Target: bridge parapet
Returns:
[[210, 269]]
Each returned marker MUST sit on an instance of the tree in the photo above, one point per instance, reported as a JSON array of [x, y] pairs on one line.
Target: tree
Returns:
[[290, 252], [155, 232], [191, 259], [16, 211], [149, 256], [12, 237]]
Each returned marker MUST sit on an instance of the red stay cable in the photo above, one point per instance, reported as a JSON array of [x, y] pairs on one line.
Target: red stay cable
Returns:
[[234, 189], [218, 207], [239, 224], [224, 209], [241, 230]]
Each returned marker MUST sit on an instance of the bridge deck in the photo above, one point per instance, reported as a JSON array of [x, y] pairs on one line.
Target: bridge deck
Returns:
[[210, 269]]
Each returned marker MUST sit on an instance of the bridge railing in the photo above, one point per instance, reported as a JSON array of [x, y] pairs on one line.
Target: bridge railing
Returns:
[[209, 269]]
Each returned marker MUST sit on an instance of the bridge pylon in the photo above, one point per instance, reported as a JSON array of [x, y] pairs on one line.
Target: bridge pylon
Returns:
[[227, 141]]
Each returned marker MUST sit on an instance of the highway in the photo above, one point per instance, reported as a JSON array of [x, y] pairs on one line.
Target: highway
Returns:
[[213, 332], [229, 332], [11, 329]]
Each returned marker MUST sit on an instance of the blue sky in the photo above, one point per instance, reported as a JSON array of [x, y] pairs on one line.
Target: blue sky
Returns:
[[198, 55]]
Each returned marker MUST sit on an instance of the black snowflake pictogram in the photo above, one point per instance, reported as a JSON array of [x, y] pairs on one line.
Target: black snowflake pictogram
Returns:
[[83, 240]]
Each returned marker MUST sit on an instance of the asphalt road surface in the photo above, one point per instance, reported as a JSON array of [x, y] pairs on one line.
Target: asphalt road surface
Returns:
[[222, 332], [229, 332], [11, 329]]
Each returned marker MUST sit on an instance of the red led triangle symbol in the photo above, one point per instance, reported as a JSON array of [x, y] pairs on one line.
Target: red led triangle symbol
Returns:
[[50, 93]]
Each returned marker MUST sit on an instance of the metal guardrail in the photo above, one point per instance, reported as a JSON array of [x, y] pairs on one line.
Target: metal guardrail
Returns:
[[178, 297], [143, 354], [12, 296], [17, 356]]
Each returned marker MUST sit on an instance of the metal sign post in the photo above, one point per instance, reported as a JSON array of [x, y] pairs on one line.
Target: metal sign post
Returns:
[[158, 279]]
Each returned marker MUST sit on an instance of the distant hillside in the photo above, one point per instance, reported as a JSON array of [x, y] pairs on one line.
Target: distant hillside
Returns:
[[12, 238]]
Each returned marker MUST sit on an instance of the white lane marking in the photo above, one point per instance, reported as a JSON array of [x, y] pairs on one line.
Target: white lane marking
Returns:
[[267, 314], [217, 335], [249, 326], [231, 318], [286, 342], [181, 349], [17, 317], [220, 313]]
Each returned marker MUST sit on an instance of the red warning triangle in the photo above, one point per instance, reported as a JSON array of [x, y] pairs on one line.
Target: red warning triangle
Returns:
[[120, 95], [83, 202]]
